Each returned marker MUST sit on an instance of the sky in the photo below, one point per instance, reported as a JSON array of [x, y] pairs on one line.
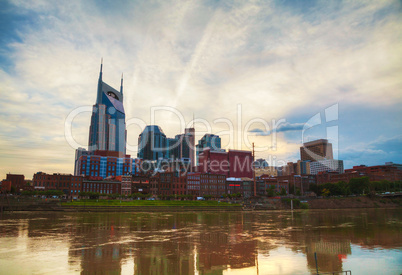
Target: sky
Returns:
[[276, 73]]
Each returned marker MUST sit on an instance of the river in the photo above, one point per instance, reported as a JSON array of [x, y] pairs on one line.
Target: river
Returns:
[[365, 241]]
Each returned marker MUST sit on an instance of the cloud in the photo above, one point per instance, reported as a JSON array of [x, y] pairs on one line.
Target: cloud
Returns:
[[376, 152], [284, 127], [272, 58]]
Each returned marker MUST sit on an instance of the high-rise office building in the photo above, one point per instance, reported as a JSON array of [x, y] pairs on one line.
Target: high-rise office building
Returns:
[[186, 145], [208, 141], [106, 154], [108, 127], [152, 143], [316, 150]]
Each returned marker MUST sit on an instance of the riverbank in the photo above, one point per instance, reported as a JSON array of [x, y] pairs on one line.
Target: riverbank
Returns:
[[148, 206], [34, 204], [355, 202]]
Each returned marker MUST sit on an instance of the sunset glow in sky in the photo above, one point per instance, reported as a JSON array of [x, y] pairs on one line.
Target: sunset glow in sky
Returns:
[[273, 60]]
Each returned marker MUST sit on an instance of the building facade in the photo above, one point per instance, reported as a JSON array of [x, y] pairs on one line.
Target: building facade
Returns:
[[126, 182], [70, 185], [103, 187], [193, 184], [234, 163], [105, 164], [316, 150], [208, 141], [17, 181], [212, 185], [328, 165]]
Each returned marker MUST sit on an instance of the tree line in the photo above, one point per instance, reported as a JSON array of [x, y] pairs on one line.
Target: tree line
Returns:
[[356, 186]]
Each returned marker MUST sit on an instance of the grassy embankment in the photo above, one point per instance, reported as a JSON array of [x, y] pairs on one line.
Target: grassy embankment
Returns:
[[146, 203]]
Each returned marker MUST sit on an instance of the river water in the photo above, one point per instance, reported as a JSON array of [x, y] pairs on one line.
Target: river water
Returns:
[[365, 241]]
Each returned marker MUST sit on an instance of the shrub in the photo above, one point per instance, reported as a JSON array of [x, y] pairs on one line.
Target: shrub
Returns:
[[304, 205]]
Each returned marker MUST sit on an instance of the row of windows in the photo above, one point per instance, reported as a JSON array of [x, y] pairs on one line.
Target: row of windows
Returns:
[[97, 185], [102, 191], [55, 184], [194, 182]]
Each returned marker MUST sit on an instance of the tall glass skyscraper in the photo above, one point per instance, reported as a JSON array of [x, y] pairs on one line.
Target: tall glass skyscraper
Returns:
[[152, 143], [108, 126]]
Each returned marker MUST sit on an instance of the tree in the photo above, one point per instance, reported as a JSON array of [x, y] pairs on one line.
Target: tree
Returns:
[[325, 192], [271, 191], [315, 188], [359, 185], [283, 192], [344, 188]]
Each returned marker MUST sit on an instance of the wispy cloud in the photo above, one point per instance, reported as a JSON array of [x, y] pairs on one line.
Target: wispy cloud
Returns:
[[284, 127], [274, 58]]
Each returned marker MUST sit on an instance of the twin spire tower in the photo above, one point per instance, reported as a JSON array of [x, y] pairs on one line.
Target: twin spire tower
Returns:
[[108, 127]]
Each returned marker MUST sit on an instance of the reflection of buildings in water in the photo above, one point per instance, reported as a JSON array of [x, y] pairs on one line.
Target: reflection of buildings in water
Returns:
[[165, 244], [104, 259], [165, 257], [329, 254], [213, 251], [218, 251], [94, 243]]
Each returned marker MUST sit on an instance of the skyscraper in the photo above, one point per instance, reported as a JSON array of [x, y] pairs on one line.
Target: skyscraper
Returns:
[[186, 145], [106, 154], [108, 127], [152, 143]]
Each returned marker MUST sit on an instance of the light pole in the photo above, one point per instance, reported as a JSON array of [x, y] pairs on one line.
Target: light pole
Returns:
[[255, 185]]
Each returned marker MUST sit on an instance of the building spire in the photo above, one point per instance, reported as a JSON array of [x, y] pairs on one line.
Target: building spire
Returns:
[[100, 74], [99, 93], [121, 85]]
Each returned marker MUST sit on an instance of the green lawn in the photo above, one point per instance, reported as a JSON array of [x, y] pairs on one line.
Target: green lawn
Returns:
[[146, 203]]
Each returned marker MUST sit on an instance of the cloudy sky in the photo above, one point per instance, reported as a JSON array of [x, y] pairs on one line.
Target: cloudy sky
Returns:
[[263, 70]]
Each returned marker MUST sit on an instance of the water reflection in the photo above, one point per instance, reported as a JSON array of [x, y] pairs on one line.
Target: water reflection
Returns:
[[201, 243]]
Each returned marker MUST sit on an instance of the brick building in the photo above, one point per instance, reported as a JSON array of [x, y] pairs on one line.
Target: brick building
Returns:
[[292, 183], [193, 184], [17, 181], [234, 186], [212, 184], [168, 183], [378, 172], [125, 188], [179, 186], [141, 184], [103, 187], [6, 186], [234, 163], [69, 184]]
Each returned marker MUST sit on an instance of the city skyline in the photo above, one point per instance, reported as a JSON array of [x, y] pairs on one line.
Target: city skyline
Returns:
[[284, 61]]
